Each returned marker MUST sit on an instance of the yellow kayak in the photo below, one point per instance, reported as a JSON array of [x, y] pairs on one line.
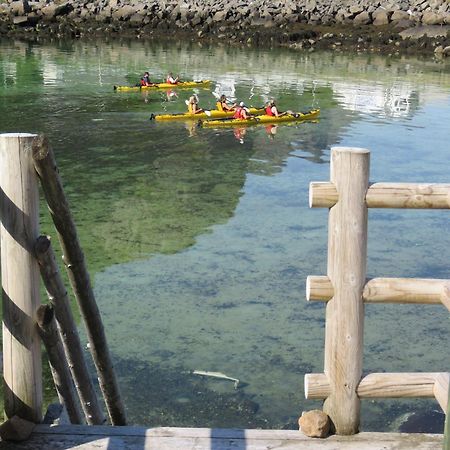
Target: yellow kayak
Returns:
[[264, 118], [181, 84], [211, 114]]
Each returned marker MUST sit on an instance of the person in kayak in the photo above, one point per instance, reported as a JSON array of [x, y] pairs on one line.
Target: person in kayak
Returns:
[[145, 80], [222, 104], [171, 79], [242, 112], [192, 105], [272, 110]]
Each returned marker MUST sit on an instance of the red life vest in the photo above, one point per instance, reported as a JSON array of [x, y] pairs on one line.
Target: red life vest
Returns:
[[269, 111], [239, 113]]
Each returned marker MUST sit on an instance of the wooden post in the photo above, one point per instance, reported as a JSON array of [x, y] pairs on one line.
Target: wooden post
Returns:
[[347, 254], [47, 170], [58, 363], [19, 214], [59, 299]]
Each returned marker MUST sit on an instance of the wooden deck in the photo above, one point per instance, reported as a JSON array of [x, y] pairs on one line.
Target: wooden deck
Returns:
[[65, 437]]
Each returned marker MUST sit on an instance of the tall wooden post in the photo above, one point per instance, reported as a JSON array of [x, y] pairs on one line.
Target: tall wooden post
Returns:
[[19, 214], [347, 254]]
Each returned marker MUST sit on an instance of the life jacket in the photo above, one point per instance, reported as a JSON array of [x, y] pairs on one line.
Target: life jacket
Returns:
[[143, 83], [238, 113], [219, 106], [269, 111], [170, 80]]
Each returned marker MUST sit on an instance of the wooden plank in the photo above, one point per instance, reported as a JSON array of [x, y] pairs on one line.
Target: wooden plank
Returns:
[[347, 256], [19, 228], [45, 437]]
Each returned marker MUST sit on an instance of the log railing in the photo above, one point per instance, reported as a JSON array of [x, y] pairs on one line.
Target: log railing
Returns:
[[26, 159], [345, 289]]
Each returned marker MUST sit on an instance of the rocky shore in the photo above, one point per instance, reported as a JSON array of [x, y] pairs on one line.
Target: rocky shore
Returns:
[[402, 26]]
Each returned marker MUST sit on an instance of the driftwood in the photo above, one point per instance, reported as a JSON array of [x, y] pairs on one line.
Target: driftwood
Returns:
[[59, 299], [47, 170], [48, 331], [220, 375]]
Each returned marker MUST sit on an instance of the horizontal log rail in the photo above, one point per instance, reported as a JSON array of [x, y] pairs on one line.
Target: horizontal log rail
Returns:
[[387, 385], [387, 290], [386, 195]]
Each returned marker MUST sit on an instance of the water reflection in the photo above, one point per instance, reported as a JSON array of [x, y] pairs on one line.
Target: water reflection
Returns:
[[200, 240]]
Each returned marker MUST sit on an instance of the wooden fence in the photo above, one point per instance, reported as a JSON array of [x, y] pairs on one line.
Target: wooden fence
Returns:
[[348, 194], [26, 159]]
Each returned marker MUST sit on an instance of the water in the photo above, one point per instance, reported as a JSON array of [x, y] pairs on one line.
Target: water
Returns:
[[199, 241]]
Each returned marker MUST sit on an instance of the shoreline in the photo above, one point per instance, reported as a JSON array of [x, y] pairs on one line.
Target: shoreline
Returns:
[[414, 27]]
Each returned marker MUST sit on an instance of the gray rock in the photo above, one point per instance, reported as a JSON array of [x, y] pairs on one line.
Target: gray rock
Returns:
[[432, 18], [362, 19], [380, 17]]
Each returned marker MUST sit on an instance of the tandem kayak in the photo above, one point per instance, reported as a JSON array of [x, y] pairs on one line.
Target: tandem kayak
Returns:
[[181, 84], [264, 118], [211, 114]]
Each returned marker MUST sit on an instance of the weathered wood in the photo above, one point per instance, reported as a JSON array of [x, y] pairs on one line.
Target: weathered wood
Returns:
[[319, 288], [385, 290], [347, 255], [445, 295], [441, 390], [381, 385], [48, 331], [19, 204], [387, 195], [322, 194], [59, 299], [112, 438], [408, 195], [47, 170]]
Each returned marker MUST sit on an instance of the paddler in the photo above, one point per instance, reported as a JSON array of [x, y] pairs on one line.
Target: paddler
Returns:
[[171, 79], [145, 80], [222, 104], [242, 112], [272, 110], [192, 105]]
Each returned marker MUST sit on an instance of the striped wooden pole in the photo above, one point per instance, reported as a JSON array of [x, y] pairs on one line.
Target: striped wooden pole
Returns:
[[19, 214]]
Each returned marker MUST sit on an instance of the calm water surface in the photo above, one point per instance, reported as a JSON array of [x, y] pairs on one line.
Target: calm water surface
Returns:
[[199, 241]]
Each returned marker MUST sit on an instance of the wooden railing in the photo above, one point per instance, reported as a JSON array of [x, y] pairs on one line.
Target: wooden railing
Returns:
[[26, 159], [345, 289]]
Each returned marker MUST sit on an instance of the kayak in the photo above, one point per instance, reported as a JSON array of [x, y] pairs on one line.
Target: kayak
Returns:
[[264, 118], [211, 114], [181, 84]]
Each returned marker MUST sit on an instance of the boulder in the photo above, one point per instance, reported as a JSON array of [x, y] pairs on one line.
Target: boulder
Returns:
[[53, 10], [432, 18], [362, 18], [399, 15], [380, 17], [314, 423], [124, 13], [220, 16]]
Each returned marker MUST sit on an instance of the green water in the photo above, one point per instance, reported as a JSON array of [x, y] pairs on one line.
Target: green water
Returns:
[[199, 241]]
